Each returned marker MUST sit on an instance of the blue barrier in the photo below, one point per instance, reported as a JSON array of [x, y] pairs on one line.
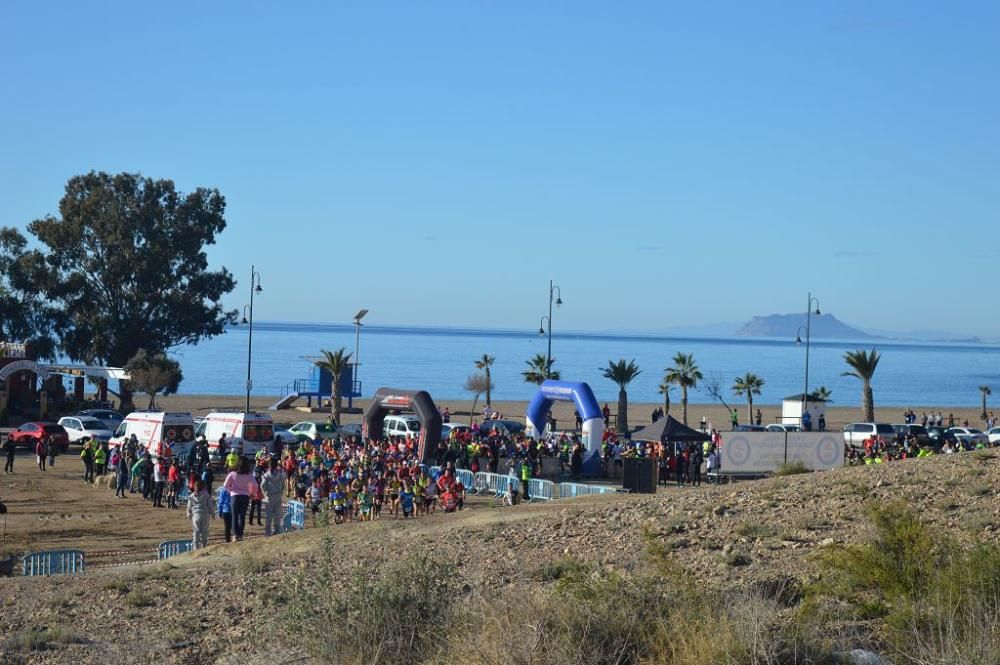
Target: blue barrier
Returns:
[[541, 490], [467, 478], [493, 483], [295, 516], [169, 548], [55, 562], [571, 490]]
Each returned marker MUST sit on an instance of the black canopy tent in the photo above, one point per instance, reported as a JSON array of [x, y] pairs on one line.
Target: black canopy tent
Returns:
[[669, 430]]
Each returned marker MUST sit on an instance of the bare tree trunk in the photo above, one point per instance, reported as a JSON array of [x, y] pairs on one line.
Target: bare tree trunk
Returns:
[[621, 424], [125, 404], [666, 404], [152, 401], [983, 416], [684, 404], [749, 409], [472, 413]]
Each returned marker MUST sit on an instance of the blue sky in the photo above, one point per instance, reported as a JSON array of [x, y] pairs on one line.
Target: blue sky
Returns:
[[667, 164]]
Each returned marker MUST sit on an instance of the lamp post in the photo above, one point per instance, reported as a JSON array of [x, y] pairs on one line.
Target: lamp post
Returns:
[[357, 349], [798, 340], [554, 295], [254, 288]]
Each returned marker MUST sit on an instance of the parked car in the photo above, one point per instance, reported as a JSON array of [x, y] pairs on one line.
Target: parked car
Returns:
[[778, 427], [408, 426], [919, 431], [503, 427], [285, 434], [970, 436], [82, 427], [855, 434], [350, 429], [111, 419], [309, 430], [939, 435], [993, 434], [459, 429], [29, 434], [750, 428]]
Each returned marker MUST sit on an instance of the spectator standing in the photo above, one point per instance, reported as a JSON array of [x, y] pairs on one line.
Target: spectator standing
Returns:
[[10, 449], [240, 485], [122, 469], [272, 485], [225, 509], [53, 449], [199, 509], [87, 455], [41, 451], [159, 482]]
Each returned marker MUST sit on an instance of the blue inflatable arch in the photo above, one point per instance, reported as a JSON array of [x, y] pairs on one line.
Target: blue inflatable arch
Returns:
[[586, 405]]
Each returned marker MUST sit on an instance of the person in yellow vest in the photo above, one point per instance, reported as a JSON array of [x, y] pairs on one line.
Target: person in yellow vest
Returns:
[[924, 452], [232, 460]]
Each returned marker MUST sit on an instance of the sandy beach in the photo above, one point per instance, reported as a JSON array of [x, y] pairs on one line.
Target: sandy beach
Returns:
[[639, 413]]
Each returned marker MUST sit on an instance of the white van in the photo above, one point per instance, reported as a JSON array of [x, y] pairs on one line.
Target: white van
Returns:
[[161, 433], [408, 426], [246, 432]]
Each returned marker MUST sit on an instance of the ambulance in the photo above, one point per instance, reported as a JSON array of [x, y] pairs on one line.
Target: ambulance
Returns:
[[246, 432], [161, 433]]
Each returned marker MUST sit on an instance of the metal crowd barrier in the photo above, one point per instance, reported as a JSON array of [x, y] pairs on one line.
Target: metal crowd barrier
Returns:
[[55, 562], [541, 490], [571, 490], [295, 516], [169, 548], [467, 478], [487, 483]]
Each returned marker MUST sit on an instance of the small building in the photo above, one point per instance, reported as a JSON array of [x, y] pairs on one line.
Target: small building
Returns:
[[791, 409]]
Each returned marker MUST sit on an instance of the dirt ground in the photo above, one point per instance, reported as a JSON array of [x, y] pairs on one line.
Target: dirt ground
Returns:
[[55, 509]]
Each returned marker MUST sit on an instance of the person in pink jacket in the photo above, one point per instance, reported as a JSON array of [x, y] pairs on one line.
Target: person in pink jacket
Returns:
[[241, 486]]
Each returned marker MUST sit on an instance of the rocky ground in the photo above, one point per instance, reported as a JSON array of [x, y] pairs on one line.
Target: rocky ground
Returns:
[[200, 607]]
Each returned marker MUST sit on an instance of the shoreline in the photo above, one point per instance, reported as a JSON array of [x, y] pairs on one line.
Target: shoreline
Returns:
[[638, 412]]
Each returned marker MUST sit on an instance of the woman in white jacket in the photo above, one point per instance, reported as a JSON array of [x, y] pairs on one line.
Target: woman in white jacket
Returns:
[[200, 509]]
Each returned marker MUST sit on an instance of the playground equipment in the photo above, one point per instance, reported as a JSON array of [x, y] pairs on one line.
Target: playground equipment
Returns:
[[586, 405], [396, 399]]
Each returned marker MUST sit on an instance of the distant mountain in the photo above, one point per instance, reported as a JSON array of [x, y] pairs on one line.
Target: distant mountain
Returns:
[[926, 336], [787, 325]]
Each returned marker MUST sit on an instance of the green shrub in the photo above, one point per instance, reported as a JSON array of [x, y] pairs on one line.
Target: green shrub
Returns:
[[791, 469]]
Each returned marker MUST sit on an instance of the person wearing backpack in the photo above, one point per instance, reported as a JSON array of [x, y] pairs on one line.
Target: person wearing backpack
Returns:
[[225, 509]]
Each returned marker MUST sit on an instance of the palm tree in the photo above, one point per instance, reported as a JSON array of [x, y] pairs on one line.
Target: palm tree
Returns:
[[536, 372], [664, 389], [985, 390], [484, 364], [622, 374], [335, 362], [684, 373], [863, 366], [822, 393], [749, 384]]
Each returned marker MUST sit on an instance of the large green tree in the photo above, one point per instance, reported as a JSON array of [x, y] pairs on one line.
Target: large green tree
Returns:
[[863, 366], [621, 373], [25, 314], [749, 384], [686, 375], [125, 262], [538, 370], [154, 374], [484, 364]]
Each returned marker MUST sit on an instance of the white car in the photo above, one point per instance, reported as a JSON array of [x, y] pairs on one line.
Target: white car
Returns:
[[111, 419], [994, 435], [310, 430], [349, 429], [969, 435], [777, 427], [83, 427], [855, 434]]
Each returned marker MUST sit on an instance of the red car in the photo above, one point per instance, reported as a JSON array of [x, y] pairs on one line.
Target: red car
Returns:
[[29, 434]]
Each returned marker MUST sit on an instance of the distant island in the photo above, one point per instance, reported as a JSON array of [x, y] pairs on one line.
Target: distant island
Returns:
[[829, 326], [787, 325]]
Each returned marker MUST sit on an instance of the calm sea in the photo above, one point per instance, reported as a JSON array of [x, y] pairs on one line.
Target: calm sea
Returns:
[[439, 360]]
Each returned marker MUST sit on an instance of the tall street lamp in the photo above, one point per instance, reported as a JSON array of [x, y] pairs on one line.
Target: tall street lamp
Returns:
[[798, 340], [254, 288], [555, 295], [357, 347]]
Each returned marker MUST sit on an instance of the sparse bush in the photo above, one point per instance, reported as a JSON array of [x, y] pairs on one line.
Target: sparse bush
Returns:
[[39, 640], [980, 490], [737, 558], [252, 563], [139, 598], [791, 469], [756, 530]]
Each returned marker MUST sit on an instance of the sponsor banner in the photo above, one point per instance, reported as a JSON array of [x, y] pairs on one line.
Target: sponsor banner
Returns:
[[764, 452]]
